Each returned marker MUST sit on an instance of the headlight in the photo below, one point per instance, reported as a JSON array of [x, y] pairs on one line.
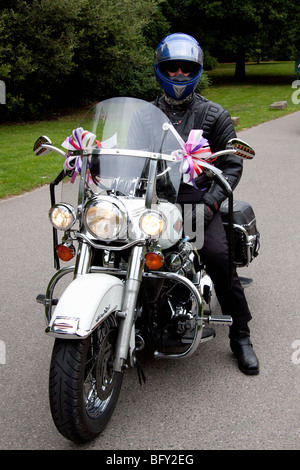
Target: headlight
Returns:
[[62, 216], [105, 220], [153, 223]]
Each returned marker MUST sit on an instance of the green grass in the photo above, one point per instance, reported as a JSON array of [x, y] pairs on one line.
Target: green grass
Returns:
[[21, 170], [250, 100]]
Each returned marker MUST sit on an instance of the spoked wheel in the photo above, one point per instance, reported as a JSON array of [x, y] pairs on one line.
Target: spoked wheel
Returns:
[[83, 388]]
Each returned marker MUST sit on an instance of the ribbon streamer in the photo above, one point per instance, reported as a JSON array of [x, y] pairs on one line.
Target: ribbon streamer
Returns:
[[193, 156], [79, 140]]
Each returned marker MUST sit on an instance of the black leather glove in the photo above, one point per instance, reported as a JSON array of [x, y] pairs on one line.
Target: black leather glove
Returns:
[[203, 214], [208, 215], [210, 208]]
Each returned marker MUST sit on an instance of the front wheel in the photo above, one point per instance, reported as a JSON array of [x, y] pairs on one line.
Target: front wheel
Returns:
[[83, 388]]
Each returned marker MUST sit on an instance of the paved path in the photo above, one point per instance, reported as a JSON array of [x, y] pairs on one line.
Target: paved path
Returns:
[[204, 402]]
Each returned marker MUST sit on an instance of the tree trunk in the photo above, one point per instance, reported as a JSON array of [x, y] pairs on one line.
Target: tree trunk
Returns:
[[240, 65]]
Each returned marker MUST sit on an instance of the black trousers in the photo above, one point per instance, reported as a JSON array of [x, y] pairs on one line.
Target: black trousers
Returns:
[[215, 256]]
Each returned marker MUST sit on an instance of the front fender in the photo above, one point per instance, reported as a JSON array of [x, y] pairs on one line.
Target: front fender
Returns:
[[85, 303]]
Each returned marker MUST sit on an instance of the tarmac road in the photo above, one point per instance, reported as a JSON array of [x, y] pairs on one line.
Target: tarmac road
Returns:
[[201, 403]]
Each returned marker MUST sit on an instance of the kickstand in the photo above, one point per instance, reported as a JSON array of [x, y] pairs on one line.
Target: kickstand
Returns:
[[140, 372]]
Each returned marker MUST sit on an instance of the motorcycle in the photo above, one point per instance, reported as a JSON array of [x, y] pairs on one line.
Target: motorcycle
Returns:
[[137, 280]]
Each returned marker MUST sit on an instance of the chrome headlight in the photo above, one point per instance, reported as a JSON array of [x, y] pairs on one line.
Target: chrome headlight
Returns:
[[153, 223], [62, 216], [105, 219]]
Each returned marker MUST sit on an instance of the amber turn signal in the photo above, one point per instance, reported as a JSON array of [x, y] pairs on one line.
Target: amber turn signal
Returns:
[[154, 260], [65, 252]]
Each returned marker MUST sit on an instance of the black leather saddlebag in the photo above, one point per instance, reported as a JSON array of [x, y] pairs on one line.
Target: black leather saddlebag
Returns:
[[246, 235]]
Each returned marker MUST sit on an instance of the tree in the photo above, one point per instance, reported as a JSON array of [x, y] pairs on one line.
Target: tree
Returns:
[[114, 54], [233, 30], [65, 52], [37, 42]]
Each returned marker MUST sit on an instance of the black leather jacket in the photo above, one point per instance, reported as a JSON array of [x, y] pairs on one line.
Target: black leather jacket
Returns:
[[217, 127]]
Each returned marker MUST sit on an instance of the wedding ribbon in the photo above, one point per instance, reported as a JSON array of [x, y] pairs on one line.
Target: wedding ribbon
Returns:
[[79, 140], [194, 155]]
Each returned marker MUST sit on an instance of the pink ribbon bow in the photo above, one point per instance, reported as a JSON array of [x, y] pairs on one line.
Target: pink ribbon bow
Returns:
[[79, 140], [192, 153]]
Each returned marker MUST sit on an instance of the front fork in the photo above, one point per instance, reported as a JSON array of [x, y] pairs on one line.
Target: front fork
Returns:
[[132, 286], [131, 291]]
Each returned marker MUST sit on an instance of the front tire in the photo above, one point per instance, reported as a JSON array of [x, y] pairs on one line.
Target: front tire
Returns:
[[83, 388]]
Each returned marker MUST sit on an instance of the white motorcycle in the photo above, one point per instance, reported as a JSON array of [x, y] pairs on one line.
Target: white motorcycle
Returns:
[[137, 280]]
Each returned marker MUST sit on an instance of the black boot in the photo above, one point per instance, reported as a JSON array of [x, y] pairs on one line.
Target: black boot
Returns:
[[242, 348]]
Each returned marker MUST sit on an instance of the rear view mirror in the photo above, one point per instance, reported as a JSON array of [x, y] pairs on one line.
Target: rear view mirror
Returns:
[[40, 148], [243, 150], [44, 145]]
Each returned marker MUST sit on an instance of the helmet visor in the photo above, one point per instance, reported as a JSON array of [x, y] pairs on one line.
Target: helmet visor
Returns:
[[171, 67]]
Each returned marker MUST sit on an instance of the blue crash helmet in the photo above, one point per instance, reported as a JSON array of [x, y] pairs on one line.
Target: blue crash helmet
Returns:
[[182, 49]]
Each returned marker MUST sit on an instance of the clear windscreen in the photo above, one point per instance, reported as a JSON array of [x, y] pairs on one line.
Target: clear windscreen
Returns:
[[129, 133]]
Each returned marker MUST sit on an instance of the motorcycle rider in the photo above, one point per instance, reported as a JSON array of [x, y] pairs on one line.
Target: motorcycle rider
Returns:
[[178, 66]]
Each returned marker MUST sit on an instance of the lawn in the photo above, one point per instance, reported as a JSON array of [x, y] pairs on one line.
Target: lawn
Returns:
[[250, 100], [21, 170]]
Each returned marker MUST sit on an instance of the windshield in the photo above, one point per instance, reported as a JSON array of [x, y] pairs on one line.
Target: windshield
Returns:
[[129, 135]]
